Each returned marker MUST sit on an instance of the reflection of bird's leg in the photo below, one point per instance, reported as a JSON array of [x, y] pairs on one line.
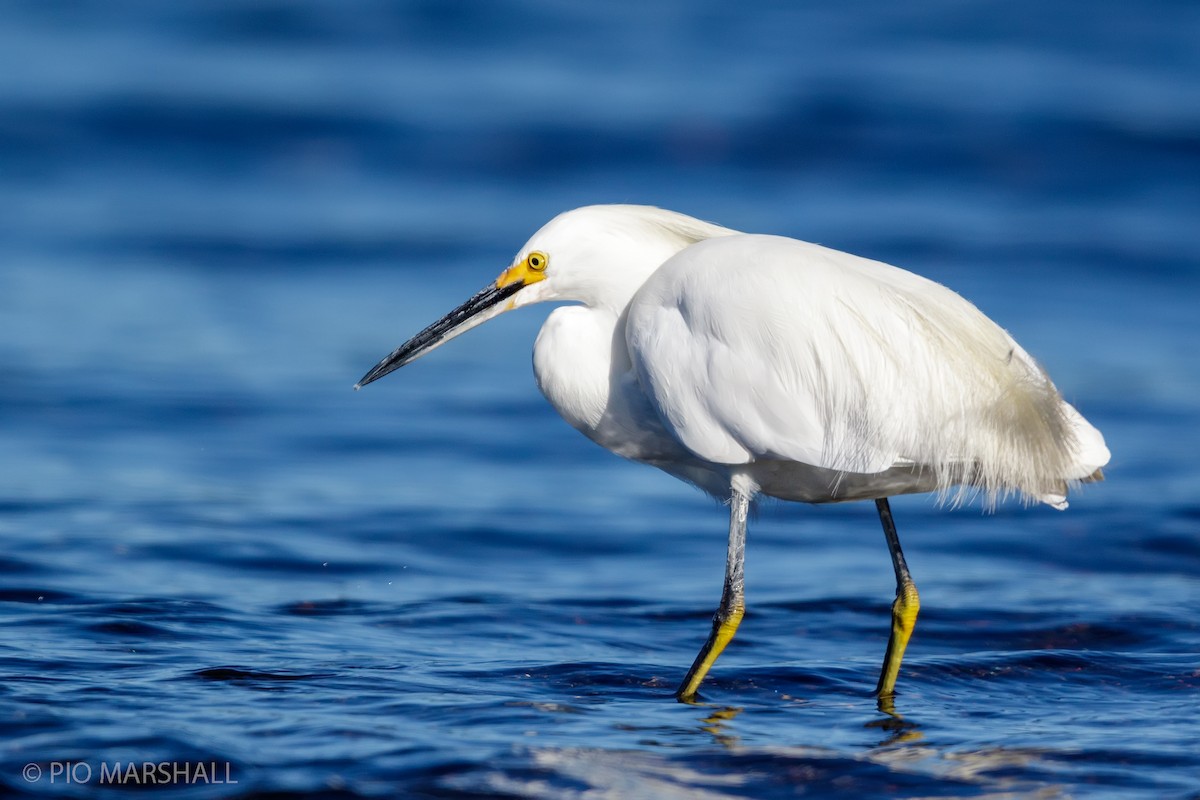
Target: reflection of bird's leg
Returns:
[[733, 600], [904, 610], [716, 725]]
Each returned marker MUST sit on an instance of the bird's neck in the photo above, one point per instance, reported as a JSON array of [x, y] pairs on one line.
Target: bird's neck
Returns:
[[612, 288], [581, 362]]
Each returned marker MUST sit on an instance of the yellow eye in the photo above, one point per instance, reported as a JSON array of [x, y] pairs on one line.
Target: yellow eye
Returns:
[[536, 261]]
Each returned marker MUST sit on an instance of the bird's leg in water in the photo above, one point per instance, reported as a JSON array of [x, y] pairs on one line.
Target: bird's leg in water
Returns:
[[733, 600], [904, 610]]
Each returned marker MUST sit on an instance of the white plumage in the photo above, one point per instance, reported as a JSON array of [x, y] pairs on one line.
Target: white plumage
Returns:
[[753, 349], [751, 364]]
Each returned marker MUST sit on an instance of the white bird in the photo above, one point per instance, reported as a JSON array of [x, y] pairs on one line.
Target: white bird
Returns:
[[761, 365]]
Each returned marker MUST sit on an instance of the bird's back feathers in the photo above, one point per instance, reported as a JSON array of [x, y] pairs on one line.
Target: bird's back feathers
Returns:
[[812, 355]]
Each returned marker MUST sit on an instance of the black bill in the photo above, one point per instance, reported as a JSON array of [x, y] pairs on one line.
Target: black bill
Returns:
[[449, 326]]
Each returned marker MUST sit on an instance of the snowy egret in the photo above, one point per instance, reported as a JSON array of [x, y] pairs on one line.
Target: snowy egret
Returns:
[[760, 365]]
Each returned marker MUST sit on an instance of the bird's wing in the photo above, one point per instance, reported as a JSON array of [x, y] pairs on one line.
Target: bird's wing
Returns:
[[761, 347]]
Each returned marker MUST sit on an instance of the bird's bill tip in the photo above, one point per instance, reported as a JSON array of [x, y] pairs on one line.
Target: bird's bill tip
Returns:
[[393, 362]]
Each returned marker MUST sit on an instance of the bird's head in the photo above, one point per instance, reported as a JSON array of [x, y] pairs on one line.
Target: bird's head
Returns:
[[595, 255]]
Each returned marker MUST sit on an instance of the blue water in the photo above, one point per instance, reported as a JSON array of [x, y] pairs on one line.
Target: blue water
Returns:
[[215, 216]]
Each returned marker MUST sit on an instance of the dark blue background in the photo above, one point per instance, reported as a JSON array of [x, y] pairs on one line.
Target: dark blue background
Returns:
[[215, 216]]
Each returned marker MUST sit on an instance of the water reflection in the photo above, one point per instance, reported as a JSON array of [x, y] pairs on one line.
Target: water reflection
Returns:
[[717, 725], [899, 729], [904, 755]]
